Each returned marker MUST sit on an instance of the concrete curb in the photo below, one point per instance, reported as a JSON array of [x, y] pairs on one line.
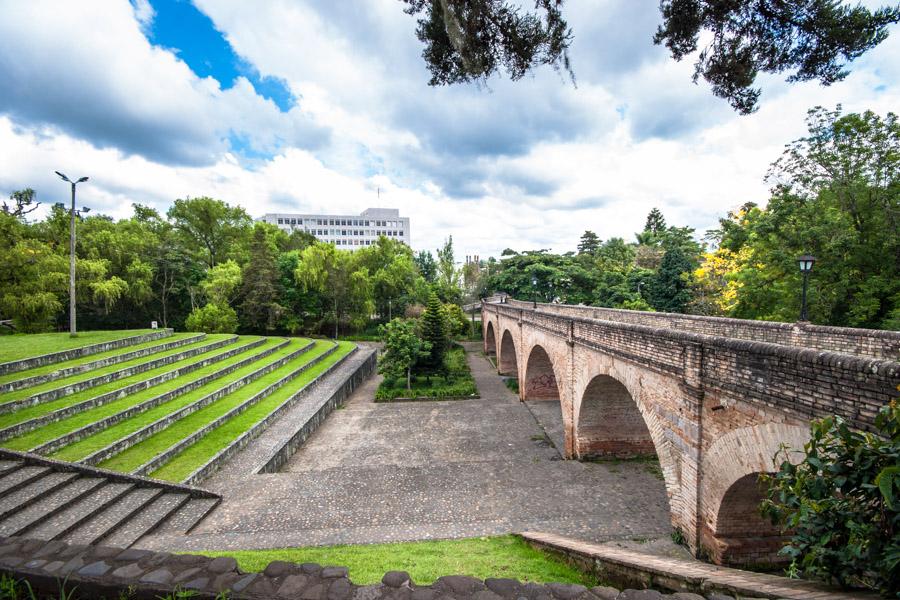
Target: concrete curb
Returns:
[[80, 386], [282, 454], [57, 415], [223, 455], [55, 357], [167, 454], [145, 432], [20, 384]]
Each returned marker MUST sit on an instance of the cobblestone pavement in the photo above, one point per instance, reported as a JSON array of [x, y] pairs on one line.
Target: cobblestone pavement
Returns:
[[424, 470]]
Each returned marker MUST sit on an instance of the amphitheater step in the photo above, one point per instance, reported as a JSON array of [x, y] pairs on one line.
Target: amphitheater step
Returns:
[[19, 478], [8, 465], [189, 515], [104, 524], [59, 500], [34, 492], [149, 519], [79, 512]]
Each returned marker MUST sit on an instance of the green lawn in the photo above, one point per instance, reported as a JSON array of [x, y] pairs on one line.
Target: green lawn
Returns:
[[90, 358], [135, 456], [186, 462], [26, 345], [502, 556], [78, 377], [87, 446], [52, 430]]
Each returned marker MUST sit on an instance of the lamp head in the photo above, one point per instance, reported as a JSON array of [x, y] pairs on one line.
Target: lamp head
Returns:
[[85, 209], [60, 205], [806, 263], [63, 177], [82, 180]]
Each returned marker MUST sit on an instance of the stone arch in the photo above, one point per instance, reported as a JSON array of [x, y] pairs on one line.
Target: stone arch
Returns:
[[540, 381], [731, 529], [507, 360], [490, 339], [610, 422]]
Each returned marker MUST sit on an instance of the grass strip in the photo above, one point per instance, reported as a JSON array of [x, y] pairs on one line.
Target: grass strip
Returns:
[[78, 451], [29, 345], [89, 445], [77, 362], [37, 410], [79, 377], [194, 456], [53, 430], [497, 556]]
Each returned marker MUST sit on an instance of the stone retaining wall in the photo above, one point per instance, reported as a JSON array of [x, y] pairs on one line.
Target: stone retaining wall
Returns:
[[873, 343], [20, 384], [281, 455], [62, 413], [143, 433], [55, 357], [237, 445], [79, 386], [147, 431], [170, 452]]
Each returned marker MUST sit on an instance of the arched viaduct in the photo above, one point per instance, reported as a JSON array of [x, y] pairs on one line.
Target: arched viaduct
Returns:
[[714, 399]]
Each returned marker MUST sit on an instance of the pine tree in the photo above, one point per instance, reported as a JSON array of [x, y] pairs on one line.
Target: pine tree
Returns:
[[434, 331], [260, 288], [656, 222], [670, 289], [589, 243]]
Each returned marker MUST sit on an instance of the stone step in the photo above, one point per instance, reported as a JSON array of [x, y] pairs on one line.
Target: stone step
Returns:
[[78, 512], [102, 525], [8, 465], [34, 491], [146, 521], [189, 515], [19, 478], [49, 505]]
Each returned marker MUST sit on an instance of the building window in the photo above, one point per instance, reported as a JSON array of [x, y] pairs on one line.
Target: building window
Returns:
[[281, 221]]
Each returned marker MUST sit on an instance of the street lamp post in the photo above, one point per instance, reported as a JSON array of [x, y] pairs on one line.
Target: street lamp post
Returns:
[[534, 292], [72, 330], [806, 263]]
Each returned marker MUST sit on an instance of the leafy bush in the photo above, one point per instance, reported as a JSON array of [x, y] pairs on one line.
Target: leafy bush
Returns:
[[212, 318], [842, 504], [454, 381]]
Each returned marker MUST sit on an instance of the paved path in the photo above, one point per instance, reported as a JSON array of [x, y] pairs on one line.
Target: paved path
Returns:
[[423, 470]]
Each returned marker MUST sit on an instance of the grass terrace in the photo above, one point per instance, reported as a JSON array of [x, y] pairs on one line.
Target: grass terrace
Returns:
[[26, 345]]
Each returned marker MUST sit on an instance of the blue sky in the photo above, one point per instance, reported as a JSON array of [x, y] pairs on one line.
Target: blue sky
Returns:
[[313, 106]]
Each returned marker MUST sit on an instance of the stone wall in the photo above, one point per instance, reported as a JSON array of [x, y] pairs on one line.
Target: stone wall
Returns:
[[861, 342], [55, 357]]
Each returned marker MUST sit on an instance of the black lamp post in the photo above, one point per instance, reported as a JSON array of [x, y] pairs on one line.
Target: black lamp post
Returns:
[[534, 292], [72, 212], [806, 263]]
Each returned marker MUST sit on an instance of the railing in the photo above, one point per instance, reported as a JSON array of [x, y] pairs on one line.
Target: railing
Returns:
[[809, 382]]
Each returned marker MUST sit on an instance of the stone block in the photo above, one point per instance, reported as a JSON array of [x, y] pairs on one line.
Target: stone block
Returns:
[[129, 571], [292, 586], [509, 588], [158, 577], [340, 589], [222, 564], [396, 579], [96, 569], [604, 592], [459, 584], [331, 572]]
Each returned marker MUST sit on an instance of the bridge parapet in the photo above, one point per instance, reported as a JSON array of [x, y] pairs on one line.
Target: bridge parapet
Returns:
[[861, 342], [805, 382]]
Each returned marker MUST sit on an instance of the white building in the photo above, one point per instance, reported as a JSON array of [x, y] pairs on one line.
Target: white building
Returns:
[[347, 232]]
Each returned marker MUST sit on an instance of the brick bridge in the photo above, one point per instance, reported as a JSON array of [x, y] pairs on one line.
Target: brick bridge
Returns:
[[714, 399]]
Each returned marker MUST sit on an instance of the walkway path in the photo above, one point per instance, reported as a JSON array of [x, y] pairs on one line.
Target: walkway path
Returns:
[[423, 470]]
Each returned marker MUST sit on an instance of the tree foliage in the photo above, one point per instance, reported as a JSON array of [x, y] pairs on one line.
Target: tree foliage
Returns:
[[260, 291], [842, 504], [435, 332], [403, 349]]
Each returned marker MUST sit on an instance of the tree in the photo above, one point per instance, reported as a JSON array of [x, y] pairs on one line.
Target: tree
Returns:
[[426, 265], [435, 332], [670, 288], [330, 272], [447, 273], [222, 282], [212, 318], [22, 203], [470, 40], [260, 309], [841, 503], [589, 243], [403, 348], [813, 38], [656, 222], [210, 226]]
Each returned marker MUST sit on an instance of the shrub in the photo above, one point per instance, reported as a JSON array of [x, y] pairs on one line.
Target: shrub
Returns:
[[842, 504], [434, 331], [212, 318]]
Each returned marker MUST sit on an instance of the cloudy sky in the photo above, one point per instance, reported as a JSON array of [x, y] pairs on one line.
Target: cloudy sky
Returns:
[[313, 105]]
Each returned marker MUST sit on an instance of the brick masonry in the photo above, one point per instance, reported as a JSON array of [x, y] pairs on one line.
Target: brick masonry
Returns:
[[715, 408]]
